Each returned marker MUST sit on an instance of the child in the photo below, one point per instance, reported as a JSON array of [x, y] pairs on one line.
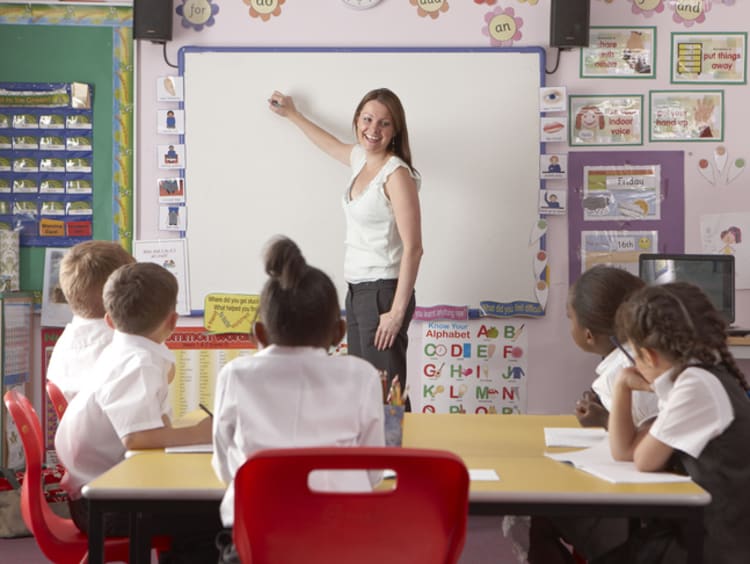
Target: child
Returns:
[[124, 405], [681, 352], [83, 271], [592, 303], [292, 393]]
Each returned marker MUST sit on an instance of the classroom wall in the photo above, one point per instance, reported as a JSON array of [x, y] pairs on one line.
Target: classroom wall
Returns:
[[557, 370]]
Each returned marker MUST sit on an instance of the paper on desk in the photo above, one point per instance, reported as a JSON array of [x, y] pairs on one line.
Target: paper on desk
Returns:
[[207, 447], [483, 475], [573, 437], [597, 461]]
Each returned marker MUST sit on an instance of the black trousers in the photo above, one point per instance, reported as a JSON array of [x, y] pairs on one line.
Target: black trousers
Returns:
[[364, 304]]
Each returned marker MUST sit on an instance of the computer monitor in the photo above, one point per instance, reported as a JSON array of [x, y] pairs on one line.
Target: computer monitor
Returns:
[[714, 274]]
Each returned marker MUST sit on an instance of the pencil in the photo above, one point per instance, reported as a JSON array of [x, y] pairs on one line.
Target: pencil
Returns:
[[204, 408]]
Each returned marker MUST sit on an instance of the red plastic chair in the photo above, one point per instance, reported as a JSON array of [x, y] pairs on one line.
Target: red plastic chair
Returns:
[[277, 518], [59, 403], [58, 538]]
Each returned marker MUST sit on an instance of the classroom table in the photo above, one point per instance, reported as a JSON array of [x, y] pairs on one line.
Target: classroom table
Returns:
[[512, 445], [533, 484]]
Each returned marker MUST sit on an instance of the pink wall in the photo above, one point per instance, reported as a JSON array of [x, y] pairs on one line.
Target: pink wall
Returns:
[[557, 370]]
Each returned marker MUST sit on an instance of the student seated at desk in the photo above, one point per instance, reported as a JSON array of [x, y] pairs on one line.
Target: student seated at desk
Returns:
[[83, 271], [124, 406], [680, 347], [293, 393]]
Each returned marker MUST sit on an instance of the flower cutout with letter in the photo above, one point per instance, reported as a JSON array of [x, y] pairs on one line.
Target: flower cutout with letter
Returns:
[[430, 8], [691, 11], [488, 2], [264, 9], [647, 7], [503, 28], [197, 13]]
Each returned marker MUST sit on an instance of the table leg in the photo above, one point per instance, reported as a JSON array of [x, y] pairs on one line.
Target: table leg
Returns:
[[140, 539], [96, 534], [694, 531]]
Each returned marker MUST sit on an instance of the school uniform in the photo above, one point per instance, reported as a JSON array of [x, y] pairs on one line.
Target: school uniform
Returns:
[[705, 417], [645, 405], [75, 353], [372, 260], [127, 392], [295, 397]]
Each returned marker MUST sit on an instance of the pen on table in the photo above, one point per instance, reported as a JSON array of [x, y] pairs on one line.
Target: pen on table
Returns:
[[616, 342], [275, 103], [204, 408]]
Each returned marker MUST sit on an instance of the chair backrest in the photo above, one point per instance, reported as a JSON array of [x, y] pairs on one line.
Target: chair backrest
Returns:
[[59, 403], [278, 518]]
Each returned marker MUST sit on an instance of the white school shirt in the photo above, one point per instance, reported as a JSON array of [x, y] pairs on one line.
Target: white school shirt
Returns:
[[644, 405], [285, 397], [695, 408], [373, 246], [128, 392], [75, 353]]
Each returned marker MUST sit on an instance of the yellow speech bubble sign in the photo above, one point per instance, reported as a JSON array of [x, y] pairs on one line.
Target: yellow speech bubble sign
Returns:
[[230, 313]]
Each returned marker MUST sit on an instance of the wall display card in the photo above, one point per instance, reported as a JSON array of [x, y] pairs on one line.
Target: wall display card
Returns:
[[171, 156], [171, 122], [553, 99], [553, 129], [199, 357], [726, 233], [172, 218], [682, 115], [553, 202], [169, 89], [171, 190], [619, 52], [230, 313], [553, 165], [616, 248], [606, 120], [172, 255], [621, 193], [709, 58], [472, 366], [49, 336], [55, 309]]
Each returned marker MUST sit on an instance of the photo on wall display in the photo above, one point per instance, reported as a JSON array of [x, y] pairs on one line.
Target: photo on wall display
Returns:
[[553, 202], [553, 165], [684, 115], [553, 99], [621, 193], [169, 89], [619, 52], [171, 190], [172, 218], [171, 156], [553, 129]]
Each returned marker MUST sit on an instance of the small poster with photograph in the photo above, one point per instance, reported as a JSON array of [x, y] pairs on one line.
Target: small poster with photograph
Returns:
[[619, 52], [552, 99], [606, 120], [171, 190], [709, 58], [169, 89], [172, 255], [171, 156], [553, 165], [553, 202], [554, 130], [55, 309], [170, 122], [683, 115]]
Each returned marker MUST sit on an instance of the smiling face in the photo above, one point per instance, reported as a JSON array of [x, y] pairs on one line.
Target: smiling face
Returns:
[[375, 127], [589, 119]]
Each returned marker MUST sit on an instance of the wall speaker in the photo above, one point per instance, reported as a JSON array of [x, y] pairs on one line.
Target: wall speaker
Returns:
[[152, 19], [569, 23]]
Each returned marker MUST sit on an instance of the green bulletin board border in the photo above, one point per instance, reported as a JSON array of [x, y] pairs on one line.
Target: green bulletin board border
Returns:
[[120, 19]]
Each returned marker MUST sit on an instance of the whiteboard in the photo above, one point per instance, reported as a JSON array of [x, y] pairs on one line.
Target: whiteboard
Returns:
[[473, 119]]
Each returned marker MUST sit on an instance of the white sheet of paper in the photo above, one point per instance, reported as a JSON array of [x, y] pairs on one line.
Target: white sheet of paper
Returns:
[[483, 475], [206, 447], [573, 437]]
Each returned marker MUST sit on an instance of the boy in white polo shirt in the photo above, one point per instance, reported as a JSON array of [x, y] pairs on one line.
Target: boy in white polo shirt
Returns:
[[83, 271], [124, 405]]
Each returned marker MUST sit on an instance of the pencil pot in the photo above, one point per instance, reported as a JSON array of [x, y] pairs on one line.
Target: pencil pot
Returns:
[[394, 424]]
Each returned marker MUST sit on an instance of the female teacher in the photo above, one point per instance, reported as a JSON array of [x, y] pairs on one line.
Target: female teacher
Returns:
[[383, 225]]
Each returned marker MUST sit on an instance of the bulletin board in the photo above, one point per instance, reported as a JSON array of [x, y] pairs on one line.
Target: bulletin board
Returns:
[[93, 45], [621, 225], [473, 117]]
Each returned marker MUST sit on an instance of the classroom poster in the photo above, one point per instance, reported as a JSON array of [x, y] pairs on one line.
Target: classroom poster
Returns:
[[606, 120], [619, 52], [49, 336], [472, 366], [172, 255], [709, 58], [682, 115], [199, 357], [726, 233], [621, 193], [616, 248]]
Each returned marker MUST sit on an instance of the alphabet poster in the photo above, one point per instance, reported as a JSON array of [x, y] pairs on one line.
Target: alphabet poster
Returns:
[[471, 366]]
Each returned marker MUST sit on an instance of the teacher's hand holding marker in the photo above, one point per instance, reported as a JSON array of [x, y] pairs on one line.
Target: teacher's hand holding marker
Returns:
[[383, 245]]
